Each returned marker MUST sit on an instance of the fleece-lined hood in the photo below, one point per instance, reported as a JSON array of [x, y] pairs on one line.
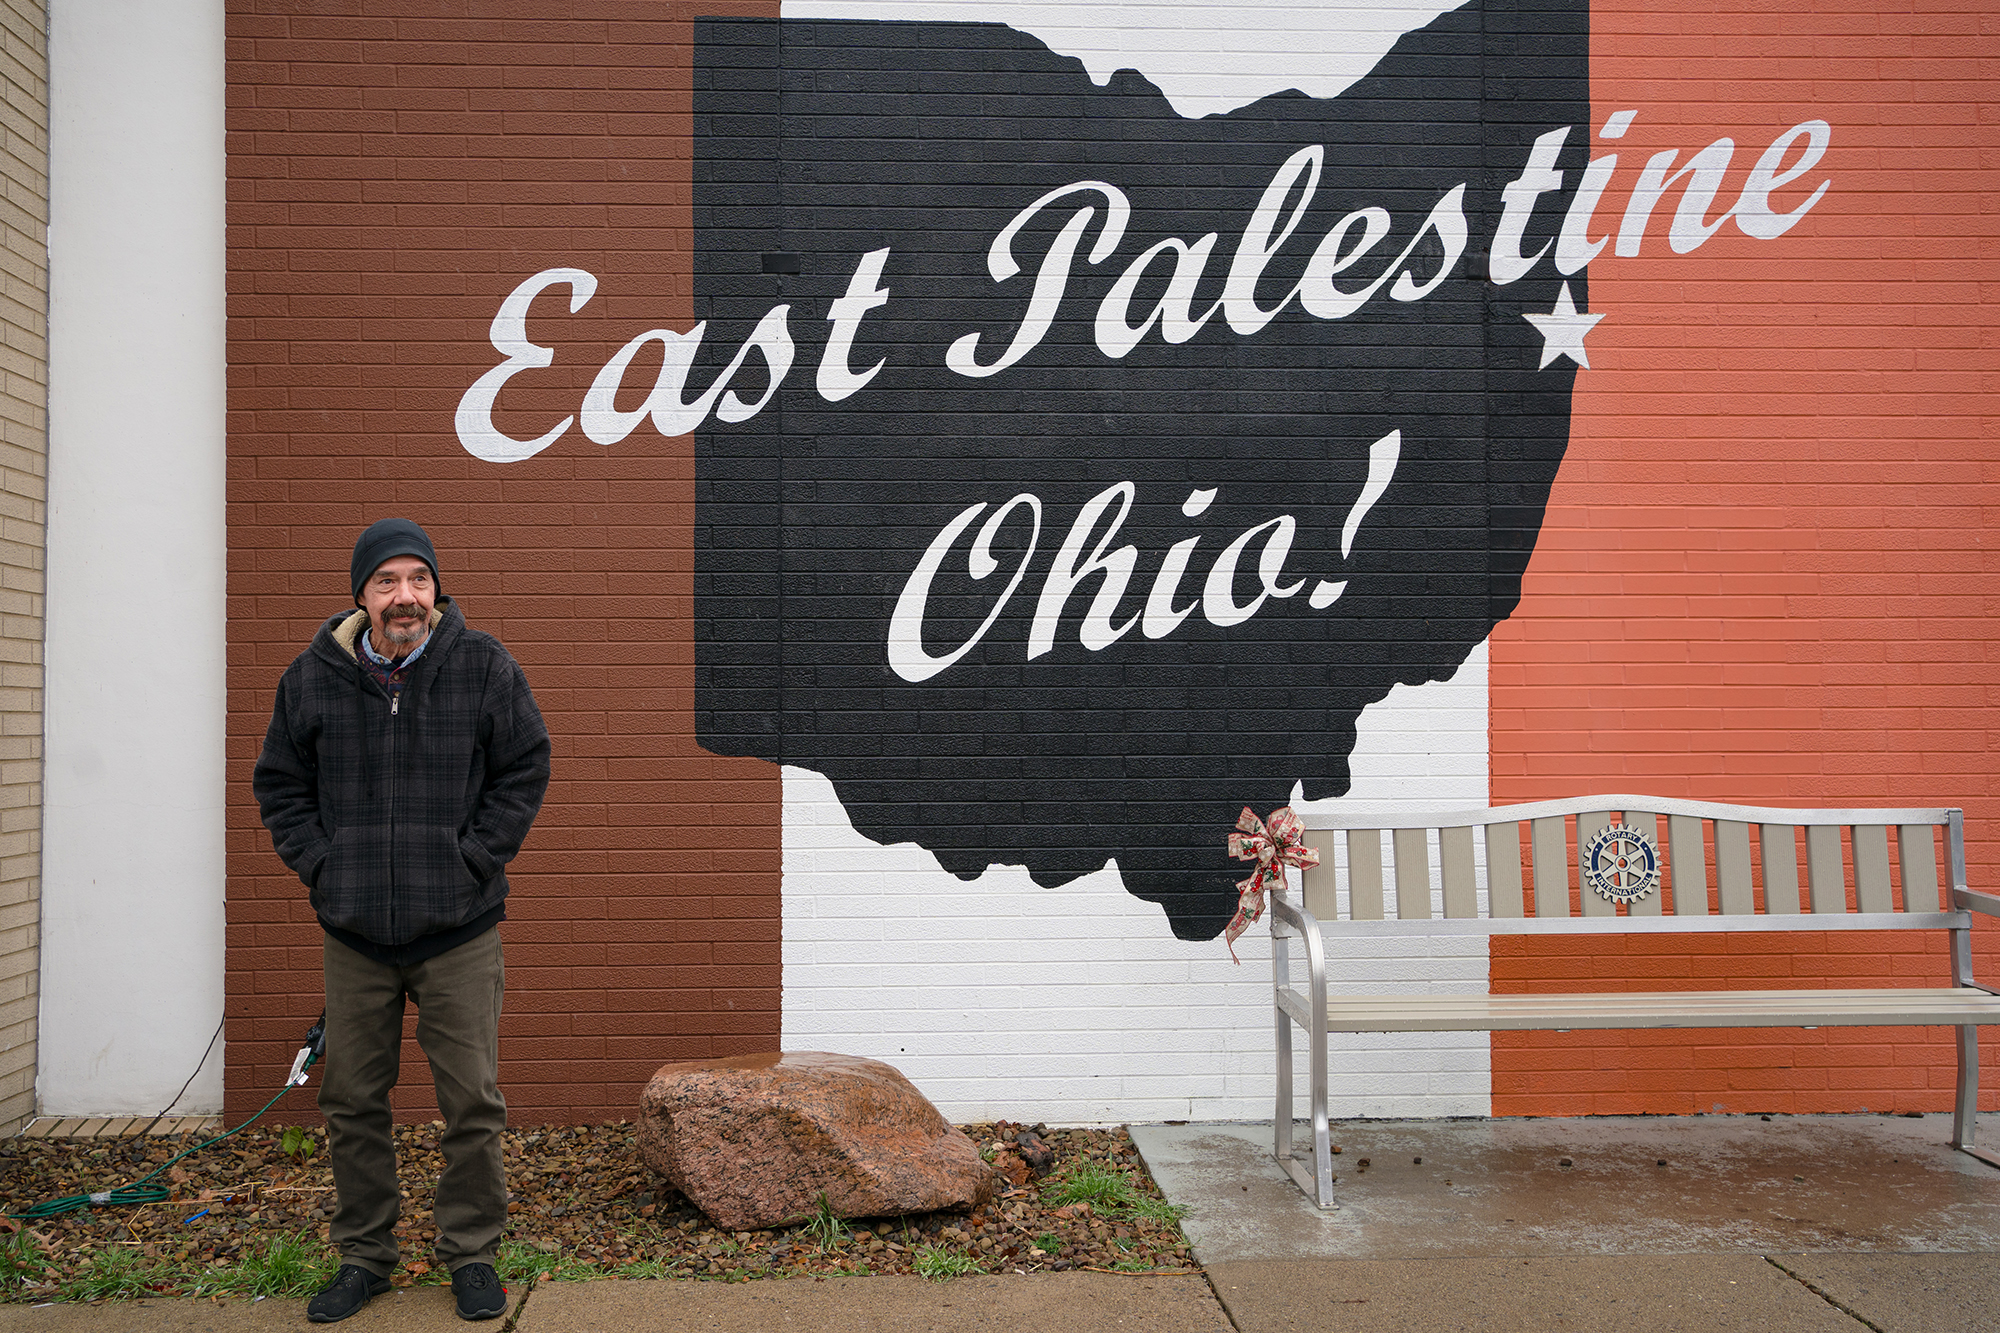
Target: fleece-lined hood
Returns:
[[346, 630]]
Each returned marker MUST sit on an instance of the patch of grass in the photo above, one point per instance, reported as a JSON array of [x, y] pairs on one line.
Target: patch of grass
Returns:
[[1109, 1192], [1095, 1184], [1129, 1265], [21, 1260], [648, 1268], [115, 1274], [1149, 1209], [1049, 1243], [824, 1228], [938, 1262], [518, 1261], [286, 1267]]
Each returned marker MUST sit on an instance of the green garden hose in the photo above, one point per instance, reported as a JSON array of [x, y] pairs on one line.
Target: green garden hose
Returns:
[[139, 1191]]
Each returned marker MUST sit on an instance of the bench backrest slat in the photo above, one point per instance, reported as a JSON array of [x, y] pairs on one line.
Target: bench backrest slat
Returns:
[[1732, 867], [1920, 876], [1587, 827], [1504, 899], [1871, 869], [1688, 858], [1842, 854], [1413, 874], [1364, 873], [1461, 882], [1321, 887], [1826, 880], [1551, 867], [1650, 904], [1777, 845]]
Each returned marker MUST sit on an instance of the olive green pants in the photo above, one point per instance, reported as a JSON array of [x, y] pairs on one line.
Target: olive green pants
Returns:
[[457, 995]]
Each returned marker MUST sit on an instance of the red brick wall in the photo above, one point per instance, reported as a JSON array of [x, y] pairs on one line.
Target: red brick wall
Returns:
[[394, 171], [1763, 574]]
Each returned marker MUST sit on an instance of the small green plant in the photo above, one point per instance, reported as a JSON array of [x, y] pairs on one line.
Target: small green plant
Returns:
[[298, 1143], [824, 1228], [1131, 1265], [114, 1274], [938, 1262], [1049, 1243]]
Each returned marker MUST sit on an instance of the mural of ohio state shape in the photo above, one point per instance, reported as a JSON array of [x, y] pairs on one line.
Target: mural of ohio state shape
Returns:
[[1128, 457]]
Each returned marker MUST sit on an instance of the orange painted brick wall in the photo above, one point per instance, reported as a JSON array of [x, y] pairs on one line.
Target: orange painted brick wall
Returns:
[[392, 176], [1763, 574]]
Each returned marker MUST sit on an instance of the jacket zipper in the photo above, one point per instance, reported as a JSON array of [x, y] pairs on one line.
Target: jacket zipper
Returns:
[[395, 703]]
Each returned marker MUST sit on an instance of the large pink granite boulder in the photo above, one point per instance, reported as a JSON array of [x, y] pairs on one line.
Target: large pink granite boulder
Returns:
[[755, 1140]]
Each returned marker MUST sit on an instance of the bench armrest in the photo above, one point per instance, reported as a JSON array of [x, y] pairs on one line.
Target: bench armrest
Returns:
[[1302, 922], [1973, 901], [1291, 920]]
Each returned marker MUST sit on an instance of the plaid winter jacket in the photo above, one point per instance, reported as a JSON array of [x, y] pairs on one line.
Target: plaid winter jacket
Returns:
[[399, 814]]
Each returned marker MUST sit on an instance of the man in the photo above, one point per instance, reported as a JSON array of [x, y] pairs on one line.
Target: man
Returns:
[[403, 766]]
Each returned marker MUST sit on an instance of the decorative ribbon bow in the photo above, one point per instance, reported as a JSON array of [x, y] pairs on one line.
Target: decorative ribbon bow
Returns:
[[1273, 844]]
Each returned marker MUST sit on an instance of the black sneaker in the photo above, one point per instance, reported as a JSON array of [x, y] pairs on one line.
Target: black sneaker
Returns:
[[349, 1291], [479, 1293]]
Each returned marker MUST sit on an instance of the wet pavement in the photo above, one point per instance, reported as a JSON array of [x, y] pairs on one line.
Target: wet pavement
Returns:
[[1632, 1185], [1662, 1224]]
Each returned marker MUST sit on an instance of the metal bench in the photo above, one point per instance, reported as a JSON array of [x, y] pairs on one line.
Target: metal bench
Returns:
[[1597, 865]]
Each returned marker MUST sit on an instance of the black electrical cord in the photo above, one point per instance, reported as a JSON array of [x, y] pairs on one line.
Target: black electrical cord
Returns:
[[139, 1191], [206, 1052]]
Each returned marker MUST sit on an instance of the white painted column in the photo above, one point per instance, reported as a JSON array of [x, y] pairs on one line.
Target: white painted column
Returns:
[[132, 871]]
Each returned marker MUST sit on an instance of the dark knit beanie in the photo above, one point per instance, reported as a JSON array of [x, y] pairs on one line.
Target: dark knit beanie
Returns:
[[385, 540]]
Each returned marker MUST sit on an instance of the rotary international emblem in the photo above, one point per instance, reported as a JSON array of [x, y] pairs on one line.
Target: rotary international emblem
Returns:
[[1621, 864]]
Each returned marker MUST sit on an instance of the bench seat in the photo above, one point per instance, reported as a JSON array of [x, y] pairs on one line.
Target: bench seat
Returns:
[[1946, 1006]]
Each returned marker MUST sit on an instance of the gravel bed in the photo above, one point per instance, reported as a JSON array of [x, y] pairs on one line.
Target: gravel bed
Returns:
[[583, 1205]]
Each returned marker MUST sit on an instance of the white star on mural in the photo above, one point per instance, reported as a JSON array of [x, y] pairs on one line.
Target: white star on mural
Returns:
[[1563, 330]]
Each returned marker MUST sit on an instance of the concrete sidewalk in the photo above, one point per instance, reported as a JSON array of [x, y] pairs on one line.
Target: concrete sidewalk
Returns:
[[1641, 1225], [1820, 1224], [1033, 1303]]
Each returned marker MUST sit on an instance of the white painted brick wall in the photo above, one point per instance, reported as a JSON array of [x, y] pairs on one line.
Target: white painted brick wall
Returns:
[[1206, 56], [1077, 1004]]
